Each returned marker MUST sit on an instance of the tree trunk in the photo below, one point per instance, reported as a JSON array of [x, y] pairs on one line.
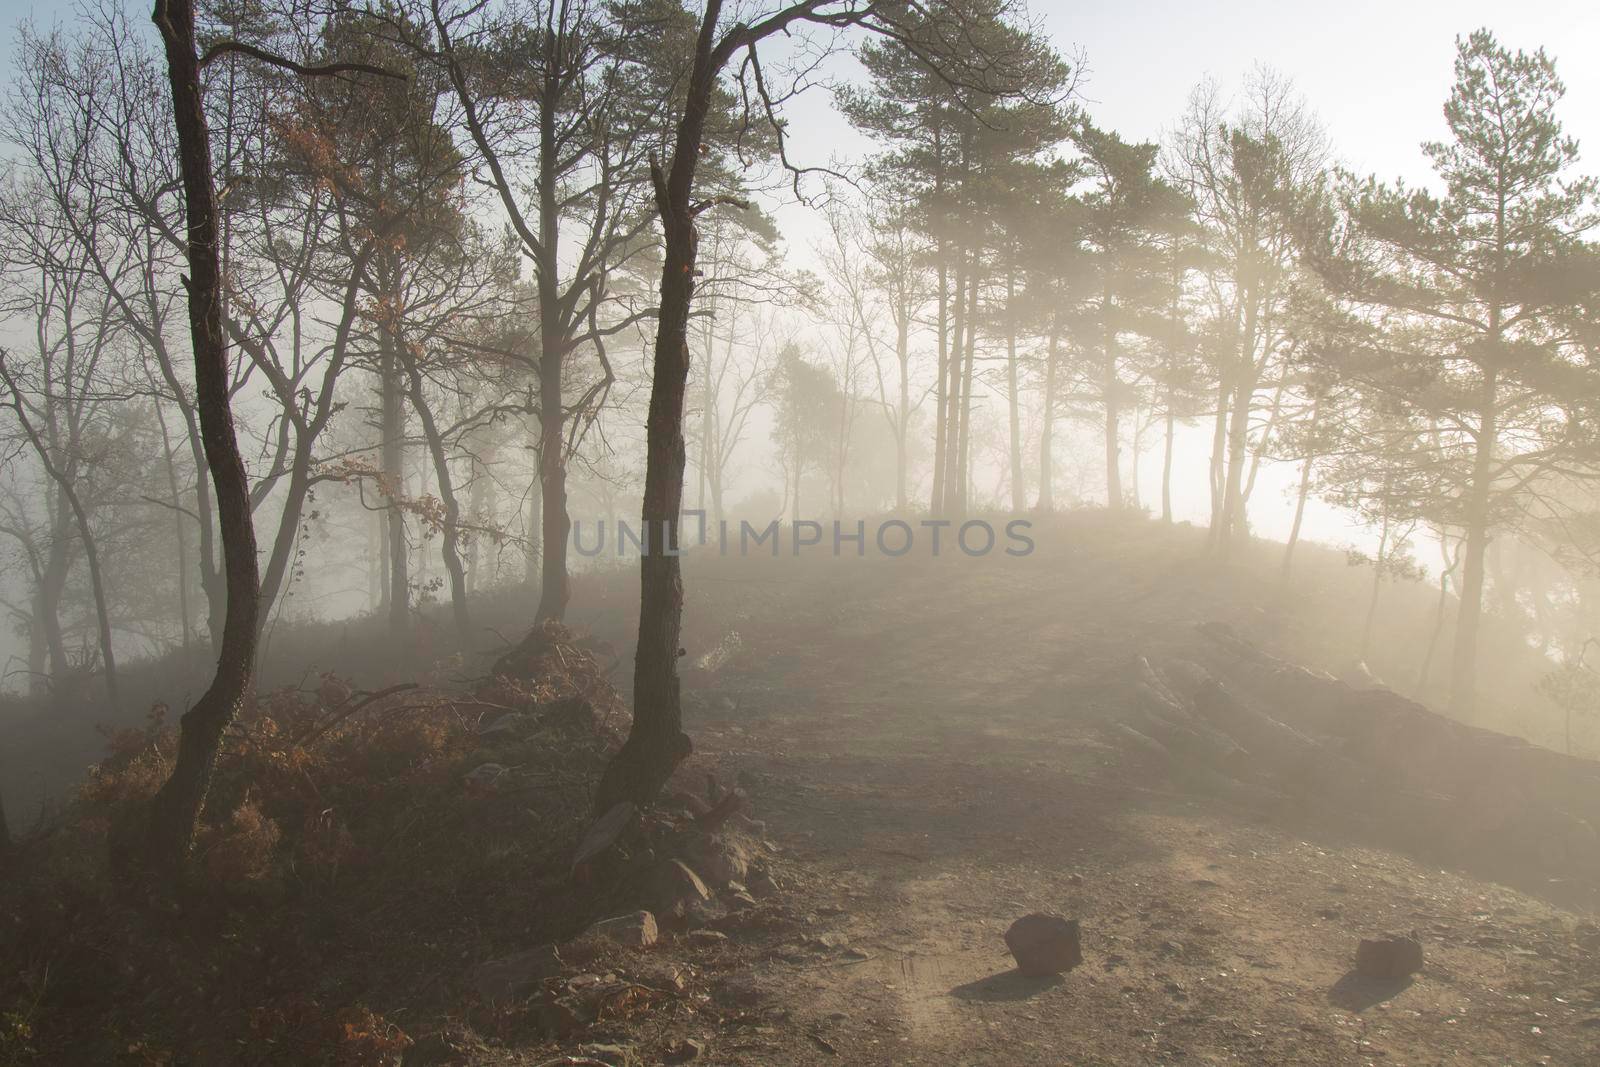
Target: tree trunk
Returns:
[[1377, 590], [1299, 518], [181, 534], [392, 468], [656, 743], [1464, 666], [963, 465], [52, 586], [532, 551], [1019, 501], [1166, 464], [952, 387], [63, 480], [1111, 387], [941, 401], [1047, 499], [176, 807], [902, 350], [450, 534], [554, 588], [378, 569], [1217, 468], [1448, 564]]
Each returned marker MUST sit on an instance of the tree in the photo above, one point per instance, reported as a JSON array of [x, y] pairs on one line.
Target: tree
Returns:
[[1477, 307], [1245, 174], [1130, 216], [656, 743], [60, 406], [578, 94], [956, 146], [176, 807]]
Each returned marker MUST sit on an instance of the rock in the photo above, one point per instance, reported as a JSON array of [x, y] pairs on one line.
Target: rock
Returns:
[[637, 930], [685, 1050], [724, 858], [1044, 944], [502, 728], [762, 883], [690, 803], [660, 974], [706, 938], [604, 833], [515, 976], [677, 888], [1389, 957], [614, 1055], [740, 821]]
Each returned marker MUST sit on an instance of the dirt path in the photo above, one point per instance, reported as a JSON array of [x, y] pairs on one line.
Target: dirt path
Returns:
[[927, 742]]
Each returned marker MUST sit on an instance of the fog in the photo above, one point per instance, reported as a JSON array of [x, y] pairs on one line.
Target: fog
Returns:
[[638, 532]]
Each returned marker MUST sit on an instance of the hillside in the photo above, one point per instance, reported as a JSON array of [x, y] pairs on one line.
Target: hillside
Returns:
[[928, 750]]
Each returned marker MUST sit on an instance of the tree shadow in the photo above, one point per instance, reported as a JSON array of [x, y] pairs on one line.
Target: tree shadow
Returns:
[[1005, 986], [1356, 992]]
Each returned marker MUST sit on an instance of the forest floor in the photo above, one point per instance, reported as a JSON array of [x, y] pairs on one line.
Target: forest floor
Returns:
[[922, 739], [925, 743]]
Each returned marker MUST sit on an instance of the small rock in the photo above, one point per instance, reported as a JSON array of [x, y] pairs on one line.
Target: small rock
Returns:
[[637, 930], [685, 1050], [678, 888], [689, 802], [723, 858], [740, 821], [762, 883], [615, 1055], [514, 976], [706, 938], [1044, 944], [503, 727], [660, 974], [1389, 957]]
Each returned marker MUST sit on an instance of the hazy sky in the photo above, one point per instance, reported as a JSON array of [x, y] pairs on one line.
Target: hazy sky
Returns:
[[1376, 73]]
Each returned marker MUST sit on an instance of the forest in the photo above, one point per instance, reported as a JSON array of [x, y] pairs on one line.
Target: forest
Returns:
[[636, 531]]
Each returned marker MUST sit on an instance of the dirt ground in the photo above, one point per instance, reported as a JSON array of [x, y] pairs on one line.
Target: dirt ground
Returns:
[[923, 740]]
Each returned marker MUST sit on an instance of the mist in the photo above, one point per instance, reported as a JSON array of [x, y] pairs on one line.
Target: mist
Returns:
[[649, 532]]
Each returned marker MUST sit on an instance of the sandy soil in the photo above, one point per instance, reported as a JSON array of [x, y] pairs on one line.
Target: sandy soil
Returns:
[[923, 742]]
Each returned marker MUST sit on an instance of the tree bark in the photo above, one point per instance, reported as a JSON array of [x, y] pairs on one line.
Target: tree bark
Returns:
[[963, 464], [1047, 497], [1166, 464], [450, 533], [1111, 386], [656, 743], [1464, 665], [392, 456], [176, 807], [902, 473], [1019, 501]]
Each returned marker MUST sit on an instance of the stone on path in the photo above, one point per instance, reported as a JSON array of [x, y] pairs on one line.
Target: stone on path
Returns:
[[1044, 944], [1389, 957]]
